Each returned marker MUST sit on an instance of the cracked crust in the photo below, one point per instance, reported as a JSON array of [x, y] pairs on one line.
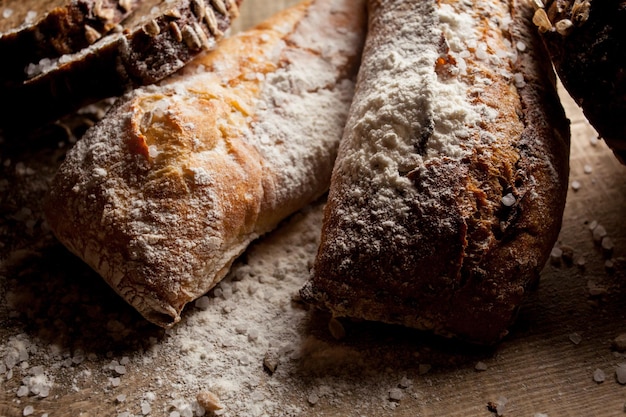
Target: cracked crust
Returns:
[[435, 220], [172, 185]]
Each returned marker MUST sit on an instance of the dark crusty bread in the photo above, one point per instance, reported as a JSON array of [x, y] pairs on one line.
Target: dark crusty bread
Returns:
[[449, 186], [102, 49], [586, 40], [32, 30]]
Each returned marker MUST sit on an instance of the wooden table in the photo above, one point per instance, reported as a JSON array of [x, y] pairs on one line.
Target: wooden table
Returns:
[[58, 315]]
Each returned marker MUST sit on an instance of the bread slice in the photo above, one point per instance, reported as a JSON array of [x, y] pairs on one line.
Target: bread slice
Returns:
[[587, 44], [173, 184], [450, 182], [82, 51]]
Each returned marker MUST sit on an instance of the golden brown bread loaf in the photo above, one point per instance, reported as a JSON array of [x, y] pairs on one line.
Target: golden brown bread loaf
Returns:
[[586, 40], [69, 53], [164, 193], [450, 182]]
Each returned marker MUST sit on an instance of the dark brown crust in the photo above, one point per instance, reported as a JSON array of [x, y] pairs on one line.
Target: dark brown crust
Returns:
[[145, 52], [590, 60], [440, 278], [64, 29]]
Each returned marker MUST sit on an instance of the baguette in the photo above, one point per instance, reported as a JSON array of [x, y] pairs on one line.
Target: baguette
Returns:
[[87, 50], [173, 184], [587, 44], [450, 182]]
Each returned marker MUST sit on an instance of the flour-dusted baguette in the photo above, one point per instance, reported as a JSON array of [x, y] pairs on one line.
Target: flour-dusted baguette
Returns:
[[450, 180], [173, 184], [82, 51], [586, 40]]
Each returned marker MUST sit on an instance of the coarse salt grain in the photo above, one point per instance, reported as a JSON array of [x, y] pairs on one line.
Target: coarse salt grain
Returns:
[[576, 185], [508, 200], [620, 374], [575, 338], [599, 376]]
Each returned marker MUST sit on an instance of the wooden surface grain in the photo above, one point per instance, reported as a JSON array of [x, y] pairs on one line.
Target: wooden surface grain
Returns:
[[546, 367]]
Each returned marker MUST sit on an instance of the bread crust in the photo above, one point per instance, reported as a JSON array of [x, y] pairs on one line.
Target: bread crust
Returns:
[[172, 185], [96, 49], [586, 41], [434, 223]]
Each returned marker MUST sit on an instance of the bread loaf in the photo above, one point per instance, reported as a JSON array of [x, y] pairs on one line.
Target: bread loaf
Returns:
[[82, 51], [450, 182], [586, 40], [173, 184]]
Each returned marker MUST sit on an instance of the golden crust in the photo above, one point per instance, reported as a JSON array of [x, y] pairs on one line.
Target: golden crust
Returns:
[[164, 193]]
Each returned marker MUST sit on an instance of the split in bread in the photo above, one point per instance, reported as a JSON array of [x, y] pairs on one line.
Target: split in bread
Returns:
[[450, 182], [82, 51], [166, 191]]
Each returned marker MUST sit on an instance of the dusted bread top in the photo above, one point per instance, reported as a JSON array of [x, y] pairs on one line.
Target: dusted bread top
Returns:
[[450, 182]]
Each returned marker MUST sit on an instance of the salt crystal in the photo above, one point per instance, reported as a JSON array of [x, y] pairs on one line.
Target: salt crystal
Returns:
[[567, 254], [599, 232], [587, 169], [28, 410], [405, 382], [619, 343], [120, 398], [203, 302], [518, 78], [313, 399], [22, 391], [480, 366], [253, 335], [599, 376], [555, 256], [593, 224], [595, 290], [115, 381], [576, 185], [508, 200], [11, 358], [125, 360], [145, 408], [575, 338], [540, 415], [395, 394], [120, 369], [521, 46], [270, 362], [501, 406], [607, 246], [30, 16], [620, 374]]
